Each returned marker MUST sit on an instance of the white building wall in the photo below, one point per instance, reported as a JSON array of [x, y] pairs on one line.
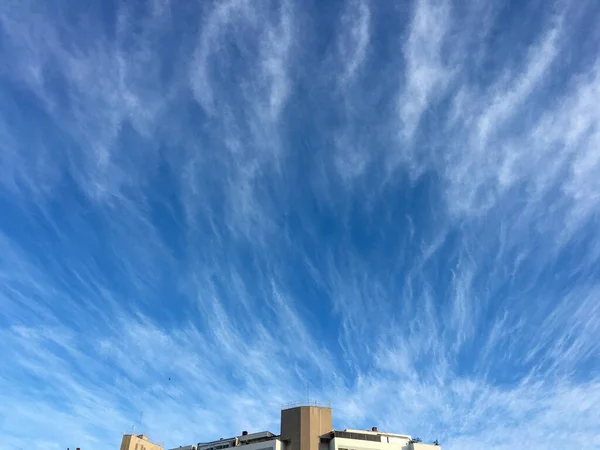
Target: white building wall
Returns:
[[273, 444], [393, 443], [358, 444], [421, 446]]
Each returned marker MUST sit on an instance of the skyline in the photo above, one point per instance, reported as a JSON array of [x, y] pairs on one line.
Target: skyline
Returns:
[[204, 206]]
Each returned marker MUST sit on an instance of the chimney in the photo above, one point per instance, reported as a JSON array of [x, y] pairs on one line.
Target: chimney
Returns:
[[374, 429], [244, 433]]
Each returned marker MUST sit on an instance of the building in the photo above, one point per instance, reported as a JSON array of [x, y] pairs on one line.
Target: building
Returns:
[[309, 427], [372, 440], [139, 442]]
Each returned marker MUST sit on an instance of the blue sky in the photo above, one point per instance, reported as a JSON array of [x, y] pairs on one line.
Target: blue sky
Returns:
[[206, 206]]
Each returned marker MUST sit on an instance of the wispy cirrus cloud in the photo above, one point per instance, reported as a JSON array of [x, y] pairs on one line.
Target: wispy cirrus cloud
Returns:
[[426, 72], [244, 98], [205, 207]]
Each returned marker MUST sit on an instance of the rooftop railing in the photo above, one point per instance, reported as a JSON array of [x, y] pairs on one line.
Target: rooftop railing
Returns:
[[306, 403]]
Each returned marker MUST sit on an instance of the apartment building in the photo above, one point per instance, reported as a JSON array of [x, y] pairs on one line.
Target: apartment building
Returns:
[[309, 427]]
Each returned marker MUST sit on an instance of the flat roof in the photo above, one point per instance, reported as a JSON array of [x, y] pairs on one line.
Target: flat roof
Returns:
[[259, 435], [241, 438], [377, 433], [374, 436]]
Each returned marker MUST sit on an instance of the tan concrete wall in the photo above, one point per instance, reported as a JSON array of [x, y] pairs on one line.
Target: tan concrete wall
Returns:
[[304, 425], [126, 442], [290, 427], [320, 422], [132, 442]]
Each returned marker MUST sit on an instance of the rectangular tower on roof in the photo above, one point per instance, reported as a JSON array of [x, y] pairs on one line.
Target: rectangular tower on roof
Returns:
[[303, 426]]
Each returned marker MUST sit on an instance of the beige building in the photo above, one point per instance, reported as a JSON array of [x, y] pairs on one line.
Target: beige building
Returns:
[[309, 427], [139, 442]]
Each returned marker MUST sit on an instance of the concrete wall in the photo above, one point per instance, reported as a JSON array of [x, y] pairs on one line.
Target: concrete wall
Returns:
[[133, 442], [357, 444], [274, 444], [303, 426], [397, 444], [422, 446], [290, 427]]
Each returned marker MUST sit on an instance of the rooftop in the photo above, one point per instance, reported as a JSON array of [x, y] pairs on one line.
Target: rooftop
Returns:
[[307, 403]]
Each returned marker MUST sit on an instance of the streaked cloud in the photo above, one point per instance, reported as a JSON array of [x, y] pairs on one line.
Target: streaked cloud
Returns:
[[425, 74], [205, 207]]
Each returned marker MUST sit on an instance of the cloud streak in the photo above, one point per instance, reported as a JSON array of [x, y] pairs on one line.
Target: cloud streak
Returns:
[[206, 206]]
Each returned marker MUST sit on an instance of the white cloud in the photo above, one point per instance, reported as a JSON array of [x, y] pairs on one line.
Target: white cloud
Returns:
[[505, 99], [426, 73], [244, 99], [353, 39], [451, 297], [107, 86]]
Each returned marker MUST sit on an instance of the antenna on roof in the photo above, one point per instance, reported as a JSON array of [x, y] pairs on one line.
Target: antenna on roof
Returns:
[[307, 392]]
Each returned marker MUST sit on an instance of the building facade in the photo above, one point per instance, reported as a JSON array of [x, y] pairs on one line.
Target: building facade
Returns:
[[310, 428], [138, 442], [371, 440]]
